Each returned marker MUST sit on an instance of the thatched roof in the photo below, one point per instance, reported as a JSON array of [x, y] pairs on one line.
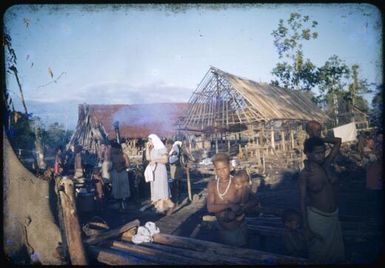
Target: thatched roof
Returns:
[[89, 131], [139, 120], [223, 100]]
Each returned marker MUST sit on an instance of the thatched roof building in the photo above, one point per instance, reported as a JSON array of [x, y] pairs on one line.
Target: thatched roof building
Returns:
[[138, 120], [224, 102]]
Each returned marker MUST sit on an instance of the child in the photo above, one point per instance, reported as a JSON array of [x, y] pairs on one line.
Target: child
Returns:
[[293, 235], [98, 180], [242, 186]]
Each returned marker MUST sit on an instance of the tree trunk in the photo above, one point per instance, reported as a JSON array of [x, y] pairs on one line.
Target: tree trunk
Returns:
[[71, 224], [29, 223]]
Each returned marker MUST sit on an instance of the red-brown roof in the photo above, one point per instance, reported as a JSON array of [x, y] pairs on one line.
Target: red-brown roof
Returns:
[[139, 120]]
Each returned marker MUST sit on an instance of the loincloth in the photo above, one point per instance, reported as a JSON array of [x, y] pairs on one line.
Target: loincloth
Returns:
[[327, 225]]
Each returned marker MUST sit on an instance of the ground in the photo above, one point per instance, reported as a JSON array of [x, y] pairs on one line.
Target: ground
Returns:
[[360, 213]]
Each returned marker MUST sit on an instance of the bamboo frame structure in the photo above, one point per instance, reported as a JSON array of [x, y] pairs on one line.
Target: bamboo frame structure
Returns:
[[225, 106]]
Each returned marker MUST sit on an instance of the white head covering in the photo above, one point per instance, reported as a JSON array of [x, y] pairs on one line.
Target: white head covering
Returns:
[[175, 147], [158, 144]]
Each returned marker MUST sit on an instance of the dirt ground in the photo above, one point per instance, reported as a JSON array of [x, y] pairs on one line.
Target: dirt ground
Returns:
[[361, 213]]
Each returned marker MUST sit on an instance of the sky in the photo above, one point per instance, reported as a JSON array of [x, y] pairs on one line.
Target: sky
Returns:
[[131, 54]]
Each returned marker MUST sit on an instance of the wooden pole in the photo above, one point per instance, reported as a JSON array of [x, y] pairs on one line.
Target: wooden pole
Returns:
[[195, 231], [115, 257], [258, 155], [216, 143], [188, 183], [201, 256], [259, 257], [113, 233], [272, 139], [157, 255], [71, 223], [212, 258], [283, 140], [292, 139], [263, 161]]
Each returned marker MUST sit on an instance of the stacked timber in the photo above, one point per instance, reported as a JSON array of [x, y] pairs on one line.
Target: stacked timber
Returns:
[[172, 249]]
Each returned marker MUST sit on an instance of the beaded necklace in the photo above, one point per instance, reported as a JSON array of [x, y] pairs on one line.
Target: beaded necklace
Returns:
[[221, 195]]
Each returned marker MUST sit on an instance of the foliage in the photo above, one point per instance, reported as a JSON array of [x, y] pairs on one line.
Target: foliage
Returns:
[[20, 133], [55, 135], [377, 111], [296, 72]]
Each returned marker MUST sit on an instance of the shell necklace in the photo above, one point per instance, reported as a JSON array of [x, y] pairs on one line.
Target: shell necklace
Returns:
[[221, 195]]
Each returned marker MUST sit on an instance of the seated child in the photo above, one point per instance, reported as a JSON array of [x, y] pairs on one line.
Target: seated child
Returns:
[[293, 236]]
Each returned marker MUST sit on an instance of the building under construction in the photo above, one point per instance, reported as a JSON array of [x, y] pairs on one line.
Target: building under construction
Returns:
[[246, 118]]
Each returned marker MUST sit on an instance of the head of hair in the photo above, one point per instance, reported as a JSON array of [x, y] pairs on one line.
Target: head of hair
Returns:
[[289, 215], [312, 124], [221, 157], [312, 142], [241, 175]]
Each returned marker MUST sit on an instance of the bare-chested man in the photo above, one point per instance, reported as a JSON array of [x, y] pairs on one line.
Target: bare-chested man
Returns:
[[223, 199], [317, 183]]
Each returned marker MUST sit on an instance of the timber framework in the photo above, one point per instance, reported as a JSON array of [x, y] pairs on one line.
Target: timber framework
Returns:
[[254, 120]]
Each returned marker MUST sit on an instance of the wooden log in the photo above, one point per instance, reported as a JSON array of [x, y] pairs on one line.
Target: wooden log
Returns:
[[71, 224], [115, 257], [188, 183], [259, 257], [201, 256], [283, 141], [196, 230], [157, 255], [182, 204], [209, 257], [112, 233], [146, 207]]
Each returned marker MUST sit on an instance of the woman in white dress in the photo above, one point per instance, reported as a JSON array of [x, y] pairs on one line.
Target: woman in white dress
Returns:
[[156, 153]]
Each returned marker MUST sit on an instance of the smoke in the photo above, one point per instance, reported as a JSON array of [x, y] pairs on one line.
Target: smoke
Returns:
[[159, 118]]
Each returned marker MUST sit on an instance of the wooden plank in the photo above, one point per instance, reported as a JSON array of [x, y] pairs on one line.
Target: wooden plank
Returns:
[[209, 257], [188, 183], [195, 232], [71, 224], [112, 233], [162, 257], [115, 257], [259, 257]]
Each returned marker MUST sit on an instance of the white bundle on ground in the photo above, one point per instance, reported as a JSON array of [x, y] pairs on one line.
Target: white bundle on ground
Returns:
[[145, 233]]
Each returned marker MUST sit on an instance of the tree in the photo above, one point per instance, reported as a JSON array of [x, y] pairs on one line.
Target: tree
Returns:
[[11, 65], [295, 72], [55, 135], [376, 113], [333, 77], [356, 89]]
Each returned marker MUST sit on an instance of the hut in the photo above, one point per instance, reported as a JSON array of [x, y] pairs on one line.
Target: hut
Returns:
[[128, 124], [246, 118]]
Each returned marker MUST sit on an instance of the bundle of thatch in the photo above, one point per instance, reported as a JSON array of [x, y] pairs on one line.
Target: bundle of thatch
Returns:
[[89, 131]]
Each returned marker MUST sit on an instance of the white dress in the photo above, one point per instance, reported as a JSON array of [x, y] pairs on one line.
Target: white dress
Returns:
[[159, 187]]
